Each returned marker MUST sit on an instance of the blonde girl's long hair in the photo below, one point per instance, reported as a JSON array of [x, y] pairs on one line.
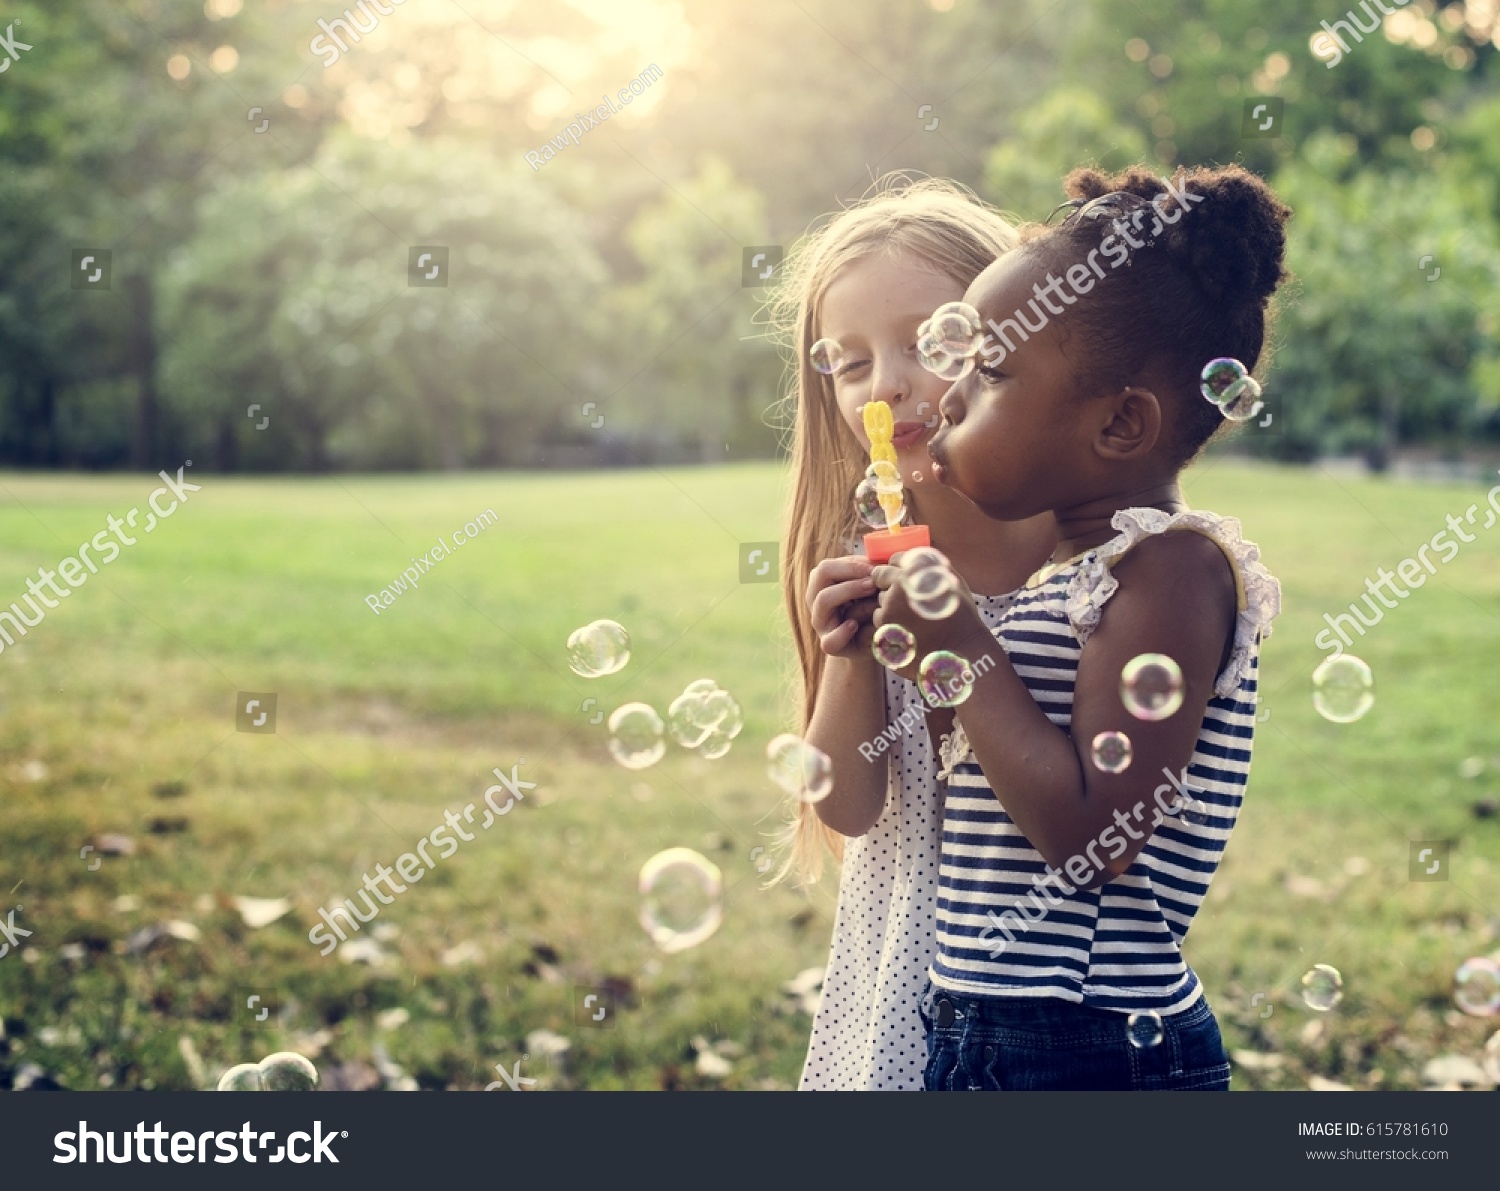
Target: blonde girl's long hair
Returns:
[[940, 225]]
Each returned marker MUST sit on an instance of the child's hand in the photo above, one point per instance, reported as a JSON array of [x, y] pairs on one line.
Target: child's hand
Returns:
[[961, 632], [841, 597]]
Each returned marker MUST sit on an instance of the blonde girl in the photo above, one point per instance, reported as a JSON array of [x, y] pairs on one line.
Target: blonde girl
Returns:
[[865, 281]]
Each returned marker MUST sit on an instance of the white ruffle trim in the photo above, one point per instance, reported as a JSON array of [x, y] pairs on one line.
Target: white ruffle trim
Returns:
[[952, 749], [1260, 602]]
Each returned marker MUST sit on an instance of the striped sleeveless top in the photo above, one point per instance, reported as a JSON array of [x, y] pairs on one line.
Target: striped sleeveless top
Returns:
[[1005, 927]]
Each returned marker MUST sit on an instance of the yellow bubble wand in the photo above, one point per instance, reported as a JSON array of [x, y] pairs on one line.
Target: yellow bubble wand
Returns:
[[880, 428]]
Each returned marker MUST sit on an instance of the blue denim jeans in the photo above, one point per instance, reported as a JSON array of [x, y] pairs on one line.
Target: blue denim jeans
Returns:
[[993, 1044]]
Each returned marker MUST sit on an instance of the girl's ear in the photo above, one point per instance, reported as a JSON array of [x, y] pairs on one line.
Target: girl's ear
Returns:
[[1131, 426]]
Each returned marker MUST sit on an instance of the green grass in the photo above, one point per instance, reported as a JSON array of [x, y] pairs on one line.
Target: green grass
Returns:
[[386, 721]]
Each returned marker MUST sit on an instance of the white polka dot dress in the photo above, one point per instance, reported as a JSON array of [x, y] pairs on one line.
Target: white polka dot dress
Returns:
[[866, 1034]]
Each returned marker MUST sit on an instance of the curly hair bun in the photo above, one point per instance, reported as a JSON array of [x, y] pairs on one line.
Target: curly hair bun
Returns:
[[1233, 242]]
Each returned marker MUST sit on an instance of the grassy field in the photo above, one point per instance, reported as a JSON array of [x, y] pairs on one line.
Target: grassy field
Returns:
[[117, 717]]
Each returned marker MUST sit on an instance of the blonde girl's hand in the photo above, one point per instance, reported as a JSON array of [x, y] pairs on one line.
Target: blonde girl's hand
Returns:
[[842, 598]]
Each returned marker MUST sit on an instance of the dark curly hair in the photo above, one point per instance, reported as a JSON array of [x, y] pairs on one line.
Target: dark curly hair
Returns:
[[1200, 288]]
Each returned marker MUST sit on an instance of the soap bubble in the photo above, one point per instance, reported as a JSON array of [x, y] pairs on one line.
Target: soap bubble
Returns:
[[715, 745], [686, 721], [1244, 402], [242, 1077], [945, 679], [886, 477], [284, 1071], [1343, 688], [681, 894], [932, 593], [797, 767], [919, 558], [946, 367], [1219, 379], [635, 736], [598, 649], [287, 1071], [826, 356], [867, 504], [1144, 1029], [957, 328], [1151, 686], [1492, 1057], [1112, 752], [1476, 987], [893, 646], [705, 717], [1322, 987]]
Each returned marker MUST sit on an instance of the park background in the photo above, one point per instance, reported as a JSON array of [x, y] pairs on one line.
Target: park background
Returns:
[[597, 371]]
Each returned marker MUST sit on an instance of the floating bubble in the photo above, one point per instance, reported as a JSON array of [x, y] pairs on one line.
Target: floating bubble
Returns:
[[957, 328], [920, 558], [243, 1077], [932, 593], [1243, 402], [945, 679], [886, 478], [1471, 767], [894, 646], [916, 477], [1112, 752], [1476, 987], [284, 1071], [1492, 1057], [1144, 1029], [867, 504], [715, 745], [800, 769], [946, 367], [1219, 377], [1343, 689], [636, 736], [732, 722], [687, 722], [287, 1071], [681, 899], [1151, 686], [826, 356], [598, 649], [1322, 987], [700, 686]]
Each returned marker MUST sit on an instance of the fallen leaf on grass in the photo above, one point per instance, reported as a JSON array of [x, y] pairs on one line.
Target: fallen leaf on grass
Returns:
[[261, 911]]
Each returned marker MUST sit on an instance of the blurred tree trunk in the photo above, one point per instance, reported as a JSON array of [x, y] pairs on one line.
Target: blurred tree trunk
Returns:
[[140, 364]]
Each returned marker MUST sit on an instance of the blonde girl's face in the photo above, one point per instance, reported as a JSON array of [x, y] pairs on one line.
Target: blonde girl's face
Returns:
[[872, 311]]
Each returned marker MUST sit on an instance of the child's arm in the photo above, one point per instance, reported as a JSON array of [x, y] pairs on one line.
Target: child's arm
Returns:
[[850, 706], [1176, 596]]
